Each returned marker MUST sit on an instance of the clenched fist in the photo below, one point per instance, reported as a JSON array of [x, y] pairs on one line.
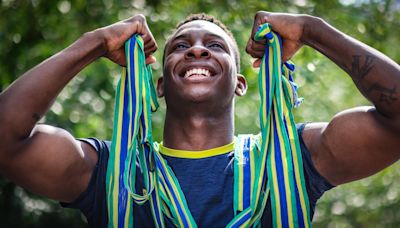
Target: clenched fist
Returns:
[[290, 27], [115, 35]]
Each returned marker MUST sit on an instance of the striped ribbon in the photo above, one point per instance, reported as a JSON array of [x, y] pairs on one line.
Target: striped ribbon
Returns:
[[279, 139], [132, 139], [274, 153]]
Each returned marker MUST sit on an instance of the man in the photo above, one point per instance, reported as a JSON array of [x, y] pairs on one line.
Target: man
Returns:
[[200, 80]]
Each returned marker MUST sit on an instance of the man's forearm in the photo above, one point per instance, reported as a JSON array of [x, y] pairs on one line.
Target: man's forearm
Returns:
[[29, 97], [376, 75]]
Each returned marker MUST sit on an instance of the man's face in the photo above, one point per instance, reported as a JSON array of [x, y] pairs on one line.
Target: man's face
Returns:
[[199, 65]]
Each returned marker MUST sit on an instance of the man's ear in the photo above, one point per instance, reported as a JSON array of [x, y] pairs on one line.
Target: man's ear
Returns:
[[241, 86], [160, 87]]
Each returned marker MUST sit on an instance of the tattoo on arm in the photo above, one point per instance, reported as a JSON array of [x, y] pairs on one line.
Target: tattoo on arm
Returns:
[[359, 71], [387, 95]]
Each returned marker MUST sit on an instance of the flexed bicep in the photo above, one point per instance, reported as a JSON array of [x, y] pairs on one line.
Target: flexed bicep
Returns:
[[355, 144], [50, 163]]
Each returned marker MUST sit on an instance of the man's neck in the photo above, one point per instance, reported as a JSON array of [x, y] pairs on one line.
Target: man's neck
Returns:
[[195, 130]]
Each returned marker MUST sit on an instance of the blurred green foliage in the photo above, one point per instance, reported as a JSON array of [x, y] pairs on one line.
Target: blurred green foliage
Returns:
[[32, 30]]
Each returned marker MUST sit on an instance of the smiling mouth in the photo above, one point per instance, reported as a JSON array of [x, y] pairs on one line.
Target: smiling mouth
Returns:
[[197, 73]]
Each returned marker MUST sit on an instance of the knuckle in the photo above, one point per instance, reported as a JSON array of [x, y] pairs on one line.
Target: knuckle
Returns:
[[260, 13], [254, 55], [248, 49], [141, 17], [259, 43], [151, 48], [261, 16], [249, 43]]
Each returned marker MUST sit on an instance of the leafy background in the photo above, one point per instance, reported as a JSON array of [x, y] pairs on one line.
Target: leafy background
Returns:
[[32, 30]]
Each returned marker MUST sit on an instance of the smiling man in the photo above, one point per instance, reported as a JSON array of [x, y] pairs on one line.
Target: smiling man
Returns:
[[200, 79]]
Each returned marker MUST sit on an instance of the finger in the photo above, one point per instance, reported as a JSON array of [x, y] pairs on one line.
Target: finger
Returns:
[[253, 31], [257, 46], [255, 53], [148, 50], [260, 18], [249, 45], [144, 31], [136, 23], [151, 59], [257, 63], [121, 62], [253, 46], [150, 45], [148, 36]]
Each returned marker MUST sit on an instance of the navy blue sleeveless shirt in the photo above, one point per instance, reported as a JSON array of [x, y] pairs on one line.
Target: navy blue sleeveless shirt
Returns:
[[207, 184]]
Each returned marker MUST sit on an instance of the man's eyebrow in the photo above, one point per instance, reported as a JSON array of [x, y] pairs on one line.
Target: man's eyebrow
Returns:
[[182, 36], [185, 36], [215, 35]]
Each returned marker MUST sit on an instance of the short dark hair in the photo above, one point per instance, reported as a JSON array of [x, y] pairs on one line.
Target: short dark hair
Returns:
[[209, 18]]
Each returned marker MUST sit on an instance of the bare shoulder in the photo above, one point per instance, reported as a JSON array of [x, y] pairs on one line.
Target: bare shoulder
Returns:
[[355, 144], [311, 136], [52, 163]]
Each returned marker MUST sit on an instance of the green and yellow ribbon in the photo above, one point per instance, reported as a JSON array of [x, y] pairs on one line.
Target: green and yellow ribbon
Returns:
[[279, 139], [132, 139], [265, 165]]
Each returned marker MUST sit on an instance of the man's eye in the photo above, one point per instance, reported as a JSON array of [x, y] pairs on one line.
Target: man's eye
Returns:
[[181, 46], [216, 45]]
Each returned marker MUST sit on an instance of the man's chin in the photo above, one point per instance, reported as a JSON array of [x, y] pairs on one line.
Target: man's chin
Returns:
[[198, 97]]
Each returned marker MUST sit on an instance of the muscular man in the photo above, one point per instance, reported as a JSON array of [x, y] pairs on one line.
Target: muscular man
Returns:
[[49, 161]]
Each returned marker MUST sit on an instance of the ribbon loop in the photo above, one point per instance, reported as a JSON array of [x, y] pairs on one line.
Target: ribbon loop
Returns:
[[279, 139], [266, 166]]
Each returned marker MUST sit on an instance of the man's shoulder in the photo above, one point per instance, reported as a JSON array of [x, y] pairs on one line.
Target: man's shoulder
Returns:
[[96, 143]]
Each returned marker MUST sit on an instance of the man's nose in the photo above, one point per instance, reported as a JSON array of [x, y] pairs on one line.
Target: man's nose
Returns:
[[197, 52]]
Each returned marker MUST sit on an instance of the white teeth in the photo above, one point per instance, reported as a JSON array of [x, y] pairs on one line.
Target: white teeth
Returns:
[[197, 71]]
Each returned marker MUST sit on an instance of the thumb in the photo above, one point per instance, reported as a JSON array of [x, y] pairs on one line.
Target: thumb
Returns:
[[257, 63], [150, 59]]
